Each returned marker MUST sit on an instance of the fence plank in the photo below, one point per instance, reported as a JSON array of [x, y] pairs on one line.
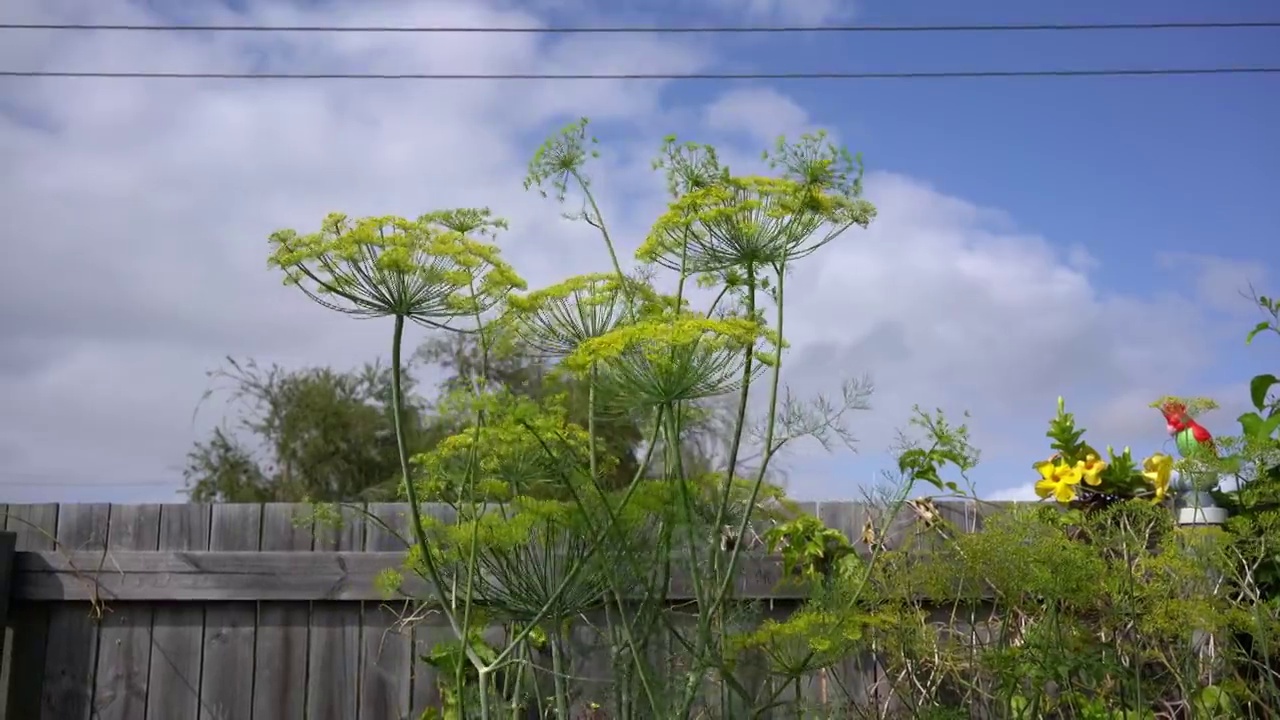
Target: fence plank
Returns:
[[8, 545], [391, 530], [852, 681], [271, 655], [177, 634], [430, 631], [241, 575], [228, 669], [73, 627], [386, 650], [124, 643], [334, 662], [281, 656], [35, 527]]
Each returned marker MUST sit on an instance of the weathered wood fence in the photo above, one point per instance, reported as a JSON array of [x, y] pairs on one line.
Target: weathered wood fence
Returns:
[[234, 612]]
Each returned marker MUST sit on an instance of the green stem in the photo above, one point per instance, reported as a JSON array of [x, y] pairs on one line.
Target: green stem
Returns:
[[478, 386], [598, 221], [512, 686], [684, 272], [482, 684], [770, 427], [686, 501], [798, 696], [558, 678], [709, 605], [411, 492], [593, 463], [735, 445], [726, 578], [600, 536]]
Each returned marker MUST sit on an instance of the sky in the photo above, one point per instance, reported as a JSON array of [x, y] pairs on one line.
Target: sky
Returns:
[[1036, 238]]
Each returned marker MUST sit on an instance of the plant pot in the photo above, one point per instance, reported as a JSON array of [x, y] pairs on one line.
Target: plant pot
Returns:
[[1197, 507], [1202, 515]]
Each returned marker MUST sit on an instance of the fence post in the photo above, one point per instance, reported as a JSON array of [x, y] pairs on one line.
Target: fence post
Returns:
[[8, 542]]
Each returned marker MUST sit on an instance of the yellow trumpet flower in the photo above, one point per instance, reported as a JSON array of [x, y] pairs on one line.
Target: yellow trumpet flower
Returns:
[[1058, 480], [1091, 469], [1157, 469]]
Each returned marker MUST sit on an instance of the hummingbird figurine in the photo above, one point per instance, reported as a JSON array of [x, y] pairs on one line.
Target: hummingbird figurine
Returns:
[[1195, 499], [1190, 436]]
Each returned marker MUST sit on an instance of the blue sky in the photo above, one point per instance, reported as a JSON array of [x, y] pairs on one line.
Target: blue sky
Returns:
[[1130, 166], [1130, 169], [1077, 236]]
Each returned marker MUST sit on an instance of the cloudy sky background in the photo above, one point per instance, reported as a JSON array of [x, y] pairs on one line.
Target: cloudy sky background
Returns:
[[1036, 238]]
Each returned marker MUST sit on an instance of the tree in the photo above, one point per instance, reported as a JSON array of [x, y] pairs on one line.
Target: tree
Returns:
[[313, 433], [326, 435]]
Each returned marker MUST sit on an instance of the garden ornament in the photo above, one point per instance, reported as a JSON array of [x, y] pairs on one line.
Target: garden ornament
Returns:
[[1195, 505]]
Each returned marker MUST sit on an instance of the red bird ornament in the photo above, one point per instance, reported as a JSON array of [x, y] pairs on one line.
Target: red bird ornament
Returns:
[[1190, 436]]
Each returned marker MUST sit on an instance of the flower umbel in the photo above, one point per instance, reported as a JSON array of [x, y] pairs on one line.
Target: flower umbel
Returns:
[[670, 358], [427, 270], [556, 320], [725, 222]]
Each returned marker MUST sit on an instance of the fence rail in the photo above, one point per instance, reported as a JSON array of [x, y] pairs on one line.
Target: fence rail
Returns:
[[249, 612]]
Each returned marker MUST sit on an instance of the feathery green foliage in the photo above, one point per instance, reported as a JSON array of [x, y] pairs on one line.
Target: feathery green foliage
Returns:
[[556, 528]]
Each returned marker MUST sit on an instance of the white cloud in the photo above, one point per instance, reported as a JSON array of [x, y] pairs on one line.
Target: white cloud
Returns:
[[1218, 282], [141, 208], [1017, 493], [761, 114], [945, 304], [805, 12]]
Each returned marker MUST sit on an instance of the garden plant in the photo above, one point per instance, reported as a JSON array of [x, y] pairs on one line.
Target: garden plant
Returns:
[[571, 593]]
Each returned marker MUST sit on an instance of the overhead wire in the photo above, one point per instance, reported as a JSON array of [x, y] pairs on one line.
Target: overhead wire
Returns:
[[784, 76], [635, 29], [907, 75]]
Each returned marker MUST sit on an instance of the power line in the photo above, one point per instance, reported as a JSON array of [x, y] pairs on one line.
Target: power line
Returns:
[[924, 75], [710, 29]]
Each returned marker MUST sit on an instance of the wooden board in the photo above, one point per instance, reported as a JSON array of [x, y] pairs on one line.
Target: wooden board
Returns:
[[385, 648], [239, 611], [238, 575], [124, 642], [230, 628], [335, 633], [280, 690], [178, 628], [35, 528]]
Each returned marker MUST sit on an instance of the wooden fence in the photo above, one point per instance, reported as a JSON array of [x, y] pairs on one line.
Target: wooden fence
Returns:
[[236, 612]]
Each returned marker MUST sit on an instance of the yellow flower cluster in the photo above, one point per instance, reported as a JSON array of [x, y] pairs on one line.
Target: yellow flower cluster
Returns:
[[1158, 469], [1060, 480]]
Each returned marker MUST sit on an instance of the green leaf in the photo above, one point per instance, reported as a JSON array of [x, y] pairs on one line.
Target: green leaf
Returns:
[[1255, 426], [1269, 426], [1256, 331], [1258, 388]]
